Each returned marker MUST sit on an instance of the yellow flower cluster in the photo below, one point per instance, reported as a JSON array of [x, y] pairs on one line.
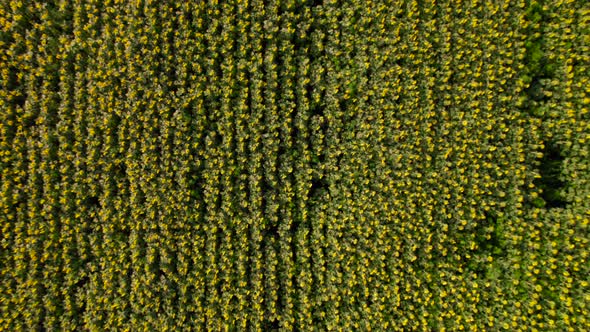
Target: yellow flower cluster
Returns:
[[294, 165]]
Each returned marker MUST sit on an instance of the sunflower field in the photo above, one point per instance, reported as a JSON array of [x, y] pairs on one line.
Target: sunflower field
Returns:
[[307, 165]]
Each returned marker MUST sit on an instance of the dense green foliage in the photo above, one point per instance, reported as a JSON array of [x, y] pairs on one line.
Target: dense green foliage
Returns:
[[294, 164]]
